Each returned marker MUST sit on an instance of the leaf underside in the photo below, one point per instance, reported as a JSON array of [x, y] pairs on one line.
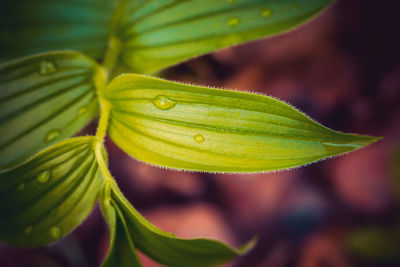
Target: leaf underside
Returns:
[[158, 34], [164, 247], [47, 196], [203, 129], [28, 27], [44, 98]]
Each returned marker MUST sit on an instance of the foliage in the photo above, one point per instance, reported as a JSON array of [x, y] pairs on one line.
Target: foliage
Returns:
[[49, 183]]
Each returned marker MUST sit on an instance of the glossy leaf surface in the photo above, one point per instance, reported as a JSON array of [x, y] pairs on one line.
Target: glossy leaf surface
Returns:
[[46, 197], [197, 128], [165, 247], [158, 34], [44, 99], [28, 27]]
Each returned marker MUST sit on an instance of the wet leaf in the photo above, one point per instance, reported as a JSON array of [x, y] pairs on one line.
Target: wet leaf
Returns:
[[44, 98], [46, 197], [158, 34], [203, 129]]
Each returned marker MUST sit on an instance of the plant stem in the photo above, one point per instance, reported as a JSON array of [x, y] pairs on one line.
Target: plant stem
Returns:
[[105, 107], [112, 54], [102, 163]]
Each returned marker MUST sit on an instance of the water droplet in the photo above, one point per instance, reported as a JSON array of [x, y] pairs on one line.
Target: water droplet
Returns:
[[55, 232], [28, 229], [199, 138], [233, 22], [231, 1], [47, 67], [53, 134], [82, 111], [44, 176], [163, 102], [266, 13], [21, 187]]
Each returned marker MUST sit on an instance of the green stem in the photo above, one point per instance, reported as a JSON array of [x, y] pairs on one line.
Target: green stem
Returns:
[[102, 163], [112, 55], [105, 107]]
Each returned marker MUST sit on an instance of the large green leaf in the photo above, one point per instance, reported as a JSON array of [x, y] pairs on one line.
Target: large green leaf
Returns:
[[46, 197], [44, 99], [165, 247], [158, 34], [32, 26], [122, 252], [197, 128]]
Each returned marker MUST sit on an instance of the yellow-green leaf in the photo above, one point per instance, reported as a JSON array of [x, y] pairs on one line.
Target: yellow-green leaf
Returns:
[[203, 129], [158, 34], [44, 98], [165, 247], [33, 26], [46, 197], [121, 252]]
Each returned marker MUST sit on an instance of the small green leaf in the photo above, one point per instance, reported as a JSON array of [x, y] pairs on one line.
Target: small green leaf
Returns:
[[158, 34], [203, 129], [46, 197], [165, 247], [28, 27], [44, 99], [122, 252]]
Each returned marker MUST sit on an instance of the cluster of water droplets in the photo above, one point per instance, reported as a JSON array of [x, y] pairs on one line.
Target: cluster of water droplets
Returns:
[[163, 102], [43, 177]]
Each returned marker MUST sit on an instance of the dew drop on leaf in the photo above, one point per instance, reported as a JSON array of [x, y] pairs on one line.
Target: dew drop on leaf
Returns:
[[163, 102], [266, 13], [28, 229], [21, 187], [199, 138], [81, 110], [44, 176], [233, 22], [55, 232], [47, 67], [53, 134]]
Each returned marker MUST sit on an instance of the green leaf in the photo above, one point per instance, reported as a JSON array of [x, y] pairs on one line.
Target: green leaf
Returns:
[[165, 247], [46, 197], [158, 34], [44, 99], [29, 27], [122, 252], [203, 129]]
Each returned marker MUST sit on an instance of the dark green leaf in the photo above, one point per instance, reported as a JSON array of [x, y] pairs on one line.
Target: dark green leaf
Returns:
[[158, 34], [197, 128], [46, 197], [121, 251], [33, 26], [44, 99], [165, 247]]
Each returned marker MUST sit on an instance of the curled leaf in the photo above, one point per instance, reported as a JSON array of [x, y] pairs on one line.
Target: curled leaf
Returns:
[[165, 247], [203, 129]]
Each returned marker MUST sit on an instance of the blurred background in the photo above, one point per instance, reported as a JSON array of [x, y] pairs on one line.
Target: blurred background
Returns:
[[343, 70]]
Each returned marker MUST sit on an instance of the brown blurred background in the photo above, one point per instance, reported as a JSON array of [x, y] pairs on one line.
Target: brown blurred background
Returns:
[[343, 70]]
